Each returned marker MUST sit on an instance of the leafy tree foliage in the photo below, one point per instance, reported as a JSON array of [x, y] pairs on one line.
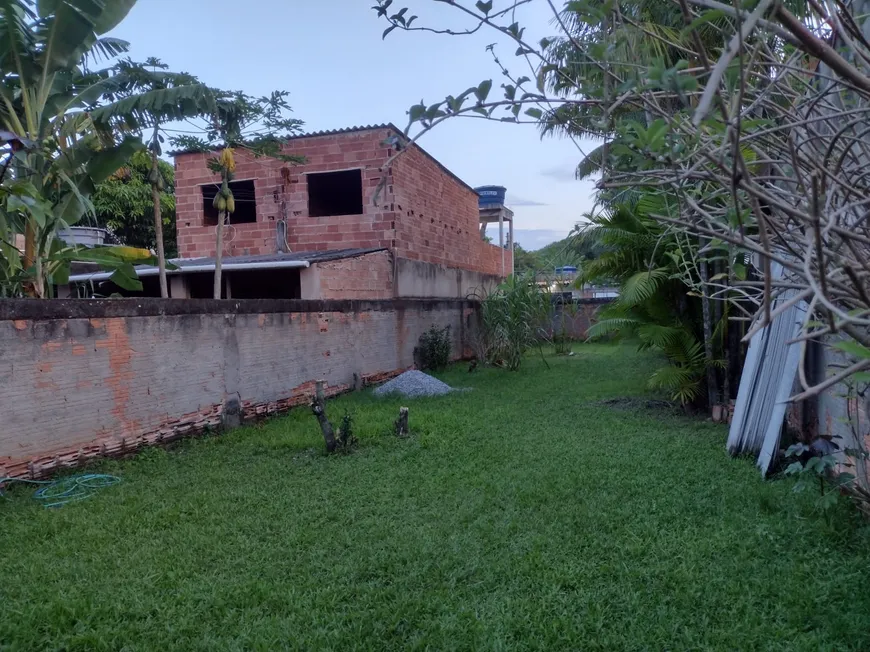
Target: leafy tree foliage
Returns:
[[123, 205]]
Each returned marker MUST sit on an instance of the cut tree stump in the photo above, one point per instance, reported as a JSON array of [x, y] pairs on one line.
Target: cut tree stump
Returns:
[[402, 423], [318, 407]]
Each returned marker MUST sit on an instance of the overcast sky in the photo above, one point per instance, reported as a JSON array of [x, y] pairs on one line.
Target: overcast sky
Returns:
[[330, 56]]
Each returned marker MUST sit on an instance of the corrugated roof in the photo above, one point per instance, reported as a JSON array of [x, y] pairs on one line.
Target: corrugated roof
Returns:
[[185, 265], [313, 134], [307, 256], [346, 130]]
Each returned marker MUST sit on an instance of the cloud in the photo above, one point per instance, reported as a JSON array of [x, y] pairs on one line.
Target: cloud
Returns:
[[562, 172], [513, 200]]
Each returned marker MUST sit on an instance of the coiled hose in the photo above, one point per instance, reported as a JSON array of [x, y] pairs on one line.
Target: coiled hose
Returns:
[[56, 493]]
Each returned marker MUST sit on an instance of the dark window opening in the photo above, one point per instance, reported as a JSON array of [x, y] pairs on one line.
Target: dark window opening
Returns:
[[201, 285], [335, 193], [265, 284], [244, 196]]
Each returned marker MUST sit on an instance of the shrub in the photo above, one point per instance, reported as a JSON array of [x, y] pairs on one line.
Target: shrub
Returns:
[[512, 319], [346, 439], [434, 348]]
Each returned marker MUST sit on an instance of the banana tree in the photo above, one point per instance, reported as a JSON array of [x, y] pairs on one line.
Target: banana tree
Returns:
[[49, 98], [146, 97], [41, 49]]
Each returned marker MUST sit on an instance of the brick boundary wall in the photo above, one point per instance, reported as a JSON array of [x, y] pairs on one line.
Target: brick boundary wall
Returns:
[[89, 378], [576, 326]]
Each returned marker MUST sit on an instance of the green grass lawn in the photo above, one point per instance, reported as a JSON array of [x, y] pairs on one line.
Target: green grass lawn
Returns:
[[521, 515]]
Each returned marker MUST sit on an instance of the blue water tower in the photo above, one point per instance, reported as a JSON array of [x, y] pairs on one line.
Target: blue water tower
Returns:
[[490, 196]]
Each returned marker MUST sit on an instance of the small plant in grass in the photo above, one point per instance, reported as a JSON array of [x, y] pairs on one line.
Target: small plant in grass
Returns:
[[814, 470], [815, 467], [346, 440], [434, 348]]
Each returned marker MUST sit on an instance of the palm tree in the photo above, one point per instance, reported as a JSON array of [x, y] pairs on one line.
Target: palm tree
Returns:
[[655, 306]]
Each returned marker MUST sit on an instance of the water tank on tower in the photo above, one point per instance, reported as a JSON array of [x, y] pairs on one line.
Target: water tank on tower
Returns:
[[490, 195]]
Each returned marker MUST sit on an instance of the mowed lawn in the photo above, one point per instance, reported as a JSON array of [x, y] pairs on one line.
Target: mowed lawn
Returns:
[[521, 515]]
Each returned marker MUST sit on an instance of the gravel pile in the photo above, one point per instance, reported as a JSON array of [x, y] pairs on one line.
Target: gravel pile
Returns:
[[414, 383]]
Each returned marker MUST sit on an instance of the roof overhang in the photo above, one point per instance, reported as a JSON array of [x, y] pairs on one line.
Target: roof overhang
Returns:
[[195, 269]]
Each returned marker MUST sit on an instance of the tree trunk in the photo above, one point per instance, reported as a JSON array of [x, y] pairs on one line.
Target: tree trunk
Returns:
[[158, 227], [29, 252], [318, 407], [402, 423], [712, 389], [218, 255]]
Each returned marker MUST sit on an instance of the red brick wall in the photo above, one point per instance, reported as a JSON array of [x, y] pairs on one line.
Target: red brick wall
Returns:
[[363, 277], [76, 388], [361, 149], [424, 213], [438, 217]]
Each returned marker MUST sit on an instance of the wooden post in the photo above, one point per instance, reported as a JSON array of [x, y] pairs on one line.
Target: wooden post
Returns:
[[501, 236], [318, 407], [512, 245], [402, 423]]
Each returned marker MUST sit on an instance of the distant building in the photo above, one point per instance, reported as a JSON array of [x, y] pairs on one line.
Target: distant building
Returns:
[[314, 231]]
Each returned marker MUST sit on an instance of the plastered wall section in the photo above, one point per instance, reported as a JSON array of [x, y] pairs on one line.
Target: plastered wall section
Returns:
[[73, 389]]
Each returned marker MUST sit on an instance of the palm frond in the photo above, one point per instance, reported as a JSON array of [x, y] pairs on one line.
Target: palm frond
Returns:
[[591, 164], [684, 384], [642, 286], [624, 326], [160, 105], [659, 335]]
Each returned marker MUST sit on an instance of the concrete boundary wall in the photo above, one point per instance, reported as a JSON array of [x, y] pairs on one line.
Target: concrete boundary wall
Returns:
[[86, 378], [416, 278]]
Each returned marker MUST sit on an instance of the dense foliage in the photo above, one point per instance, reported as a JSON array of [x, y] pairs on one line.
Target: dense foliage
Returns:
[[123, 205], [513, 318], [434, 349]]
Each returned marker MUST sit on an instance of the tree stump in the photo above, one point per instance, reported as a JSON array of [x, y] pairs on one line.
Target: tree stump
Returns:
[[401, 424], [318, 407]]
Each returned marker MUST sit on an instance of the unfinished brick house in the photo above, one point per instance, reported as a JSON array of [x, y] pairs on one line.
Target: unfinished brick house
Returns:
[[314, 231]]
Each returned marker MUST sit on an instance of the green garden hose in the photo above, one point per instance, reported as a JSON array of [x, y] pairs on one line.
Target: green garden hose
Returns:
[[56, 493]]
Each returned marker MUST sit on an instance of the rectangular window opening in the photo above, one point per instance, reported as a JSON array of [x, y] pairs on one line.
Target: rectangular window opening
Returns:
[[265, 284], [335, 193], [244, 196]]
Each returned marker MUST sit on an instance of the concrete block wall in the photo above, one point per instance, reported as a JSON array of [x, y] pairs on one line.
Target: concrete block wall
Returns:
[[84, 378], [363, 277], [438, 219], [415, 278], [277, 183], [574, 322]]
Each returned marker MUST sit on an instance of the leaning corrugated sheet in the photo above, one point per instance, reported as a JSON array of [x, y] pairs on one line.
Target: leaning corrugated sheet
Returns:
[[766, 384]]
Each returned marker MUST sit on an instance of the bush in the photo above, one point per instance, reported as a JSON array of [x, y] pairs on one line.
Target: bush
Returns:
[[434, 348], [512, 317]]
